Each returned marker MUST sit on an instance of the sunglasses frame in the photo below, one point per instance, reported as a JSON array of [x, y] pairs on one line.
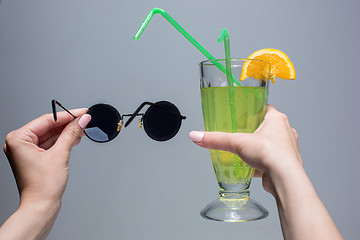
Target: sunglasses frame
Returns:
[[120, 124]]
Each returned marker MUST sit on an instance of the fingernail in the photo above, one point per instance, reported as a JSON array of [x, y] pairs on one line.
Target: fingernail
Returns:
[[84, 120], [196, 136]]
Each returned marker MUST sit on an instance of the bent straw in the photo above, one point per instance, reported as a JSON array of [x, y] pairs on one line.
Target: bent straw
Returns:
[[183, 32], [224, 37]]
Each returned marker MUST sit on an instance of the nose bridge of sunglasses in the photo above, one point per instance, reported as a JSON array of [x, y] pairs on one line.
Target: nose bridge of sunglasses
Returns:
[[132, 116]]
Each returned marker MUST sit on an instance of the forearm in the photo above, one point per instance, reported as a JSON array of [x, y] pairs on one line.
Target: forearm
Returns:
[[30, 221], [302, 214]]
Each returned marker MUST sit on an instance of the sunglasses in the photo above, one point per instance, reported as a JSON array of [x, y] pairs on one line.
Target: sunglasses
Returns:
[[161, 121]]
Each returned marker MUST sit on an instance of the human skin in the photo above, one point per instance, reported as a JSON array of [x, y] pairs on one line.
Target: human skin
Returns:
[[38, 154], [273, 151]]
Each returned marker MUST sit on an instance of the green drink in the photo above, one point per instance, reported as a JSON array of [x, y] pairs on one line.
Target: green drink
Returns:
[[249, 109], [234, 109]]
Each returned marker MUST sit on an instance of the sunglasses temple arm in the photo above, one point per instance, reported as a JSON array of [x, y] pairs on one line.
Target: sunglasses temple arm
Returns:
[[169, 110], [53, 105], [149, 103]]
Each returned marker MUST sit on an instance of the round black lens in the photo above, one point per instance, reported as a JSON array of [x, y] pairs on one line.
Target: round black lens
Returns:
[[162, 121], [104, 123]]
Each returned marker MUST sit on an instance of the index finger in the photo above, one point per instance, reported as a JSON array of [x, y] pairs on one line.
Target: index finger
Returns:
[[46, 122]]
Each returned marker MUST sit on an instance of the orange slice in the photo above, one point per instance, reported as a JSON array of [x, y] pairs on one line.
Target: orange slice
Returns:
[[281, 66]]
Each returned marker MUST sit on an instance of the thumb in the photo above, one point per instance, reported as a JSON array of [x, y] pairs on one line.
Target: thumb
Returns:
[[70, 135], [231, 142]]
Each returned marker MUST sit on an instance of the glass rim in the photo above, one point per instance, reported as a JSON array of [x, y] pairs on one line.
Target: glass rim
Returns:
[[209, 62]]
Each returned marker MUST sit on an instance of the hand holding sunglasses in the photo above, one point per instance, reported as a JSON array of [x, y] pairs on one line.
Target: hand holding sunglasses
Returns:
[[161, 121]]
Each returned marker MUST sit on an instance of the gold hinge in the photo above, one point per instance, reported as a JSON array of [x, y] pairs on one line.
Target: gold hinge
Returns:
[[140, 123], [120, 125]]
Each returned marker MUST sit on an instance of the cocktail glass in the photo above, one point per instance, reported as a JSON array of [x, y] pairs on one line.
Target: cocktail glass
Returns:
[[236, 109]]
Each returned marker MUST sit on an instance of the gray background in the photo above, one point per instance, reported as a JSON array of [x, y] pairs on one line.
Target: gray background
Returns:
[[81, 53]]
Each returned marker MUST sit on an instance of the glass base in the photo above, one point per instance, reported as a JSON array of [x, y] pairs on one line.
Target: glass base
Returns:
[[234, 210]]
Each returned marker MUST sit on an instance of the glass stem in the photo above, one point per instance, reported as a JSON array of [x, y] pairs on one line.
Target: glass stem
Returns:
[[228, 195]]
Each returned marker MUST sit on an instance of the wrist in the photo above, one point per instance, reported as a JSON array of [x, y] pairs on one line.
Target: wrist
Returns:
[[302, 214], [32, 220], [289, 179]]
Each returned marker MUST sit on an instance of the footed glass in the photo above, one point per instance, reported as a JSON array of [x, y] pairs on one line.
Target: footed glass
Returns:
[[235, 109]]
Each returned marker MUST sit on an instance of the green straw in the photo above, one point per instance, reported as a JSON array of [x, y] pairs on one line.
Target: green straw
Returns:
[[224, 37], [184, 33]]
